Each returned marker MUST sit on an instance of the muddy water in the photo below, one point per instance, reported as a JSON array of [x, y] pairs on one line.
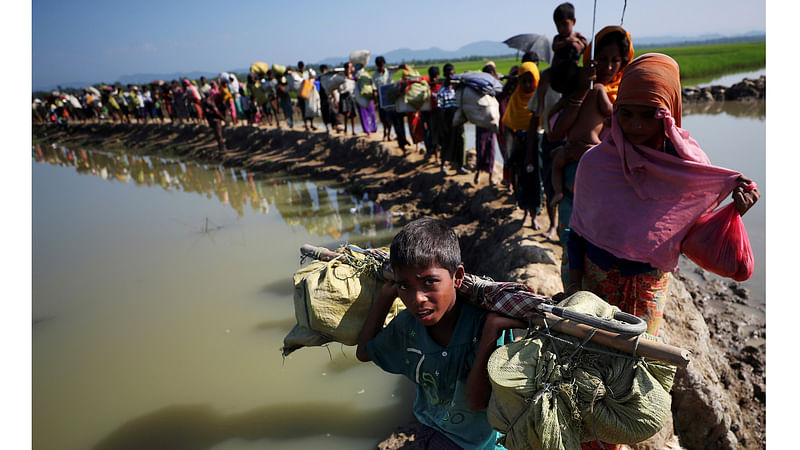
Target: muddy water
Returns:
[[733, 134], [161, 296]]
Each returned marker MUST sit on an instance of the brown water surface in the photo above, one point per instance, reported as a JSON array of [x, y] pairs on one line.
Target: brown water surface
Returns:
[[161, 295]]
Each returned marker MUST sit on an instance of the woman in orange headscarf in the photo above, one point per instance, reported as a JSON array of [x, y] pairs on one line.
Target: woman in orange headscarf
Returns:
[[639, 191], [526, 178], [626, 50]]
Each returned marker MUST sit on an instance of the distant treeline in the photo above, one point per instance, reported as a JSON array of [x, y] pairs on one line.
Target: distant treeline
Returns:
[[728, 40]]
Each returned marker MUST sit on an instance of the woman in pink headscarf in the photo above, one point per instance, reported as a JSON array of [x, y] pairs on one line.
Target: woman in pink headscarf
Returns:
[[639, 191], [193, 98]]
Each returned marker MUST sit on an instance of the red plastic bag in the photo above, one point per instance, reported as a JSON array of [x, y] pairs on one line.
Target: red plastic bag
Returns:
[[718, 242]]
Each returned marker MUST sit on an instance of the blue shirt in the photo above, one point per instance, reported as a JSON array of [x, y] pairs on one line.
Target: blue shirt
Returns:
[[440, 374], [446, 98]]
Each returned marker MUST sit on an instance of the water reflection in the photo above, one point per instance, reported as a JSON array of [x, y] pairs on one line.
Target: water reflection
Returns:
[[321, 210], [739, 109], [200, 426]]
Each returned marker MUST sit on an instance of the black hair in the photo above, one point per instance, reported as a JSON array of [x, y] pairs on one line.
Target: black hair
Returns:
[[380, 60], [323, 67], [564, 73], [564, 11], [423, 243], [300, 64], [433, 72], [619, 39], [447, 68], [530, 57]]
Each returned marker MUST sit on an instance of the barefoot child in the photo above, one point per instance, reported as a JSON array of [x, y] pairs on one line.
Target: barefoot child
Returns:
[[440, 343], [587, 107]]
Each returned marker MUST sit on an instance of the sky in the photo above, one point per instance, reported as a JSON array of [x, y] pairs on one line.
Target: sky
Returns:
[[93, 41]]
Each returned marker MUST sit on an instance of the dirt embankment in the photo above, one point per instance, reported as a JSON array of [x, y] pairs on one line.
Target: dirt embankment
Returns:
[[718, 401]]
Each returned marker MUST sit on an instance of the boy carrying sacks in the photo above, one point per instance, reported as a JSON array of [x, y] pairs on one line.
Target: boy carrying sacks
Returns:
[[440, 343]]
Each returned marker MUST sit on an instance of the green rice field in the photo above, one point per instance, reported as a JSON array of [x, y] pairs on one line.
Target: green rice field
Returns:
[[697, 62]]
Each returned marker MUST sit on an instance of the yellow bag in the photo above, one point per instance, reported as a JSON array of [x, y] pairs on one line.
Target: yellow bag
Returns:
[[278, 70], [259, 68], [305, 89], [332, 300]]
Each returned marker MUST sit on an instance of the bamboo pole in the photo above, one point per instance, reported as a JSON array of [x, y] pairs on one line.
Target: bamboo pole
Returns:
[[624, 343]]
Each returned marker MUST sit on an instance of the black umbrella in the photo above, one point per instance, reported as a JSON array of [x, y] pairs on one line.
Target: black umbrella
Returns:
[[531, 42]]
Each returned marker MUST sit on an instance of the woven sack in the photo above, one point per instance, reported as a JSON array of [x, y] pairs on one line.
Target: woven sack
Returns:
[[331, 302], [555, 399]]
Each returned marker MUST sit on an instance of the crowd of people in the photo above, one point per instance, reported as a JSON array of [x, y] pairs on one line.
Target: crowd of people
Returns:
[[623, 180], [595, 139]]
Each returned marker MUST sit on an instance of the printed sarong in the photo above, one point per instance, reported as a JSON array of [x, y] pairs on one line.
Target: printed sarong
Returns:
[[643, 295]]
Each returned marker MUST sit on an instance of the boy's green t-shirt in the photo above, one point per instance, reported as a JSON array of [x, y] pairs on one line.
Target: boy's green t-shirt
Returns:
[[440, 374]]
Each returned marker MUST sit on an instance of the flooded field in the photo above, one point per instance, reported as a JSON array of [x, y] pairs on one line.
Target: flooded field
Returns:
[[162, 292]]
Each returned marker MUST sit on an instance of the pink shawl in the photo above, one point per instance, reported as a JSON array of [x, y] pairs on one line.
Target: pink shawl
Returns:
[[638, 203]]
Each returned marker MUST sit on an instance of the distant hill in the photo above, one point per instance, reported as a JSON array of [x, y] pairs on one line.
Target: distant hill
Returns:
[[479, 48], [400, 55], [492, 48], [140, 78]]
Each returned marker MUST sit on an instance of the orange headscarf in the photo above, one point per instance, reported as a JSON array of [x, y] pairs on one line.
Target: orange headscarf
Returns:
[[612, 87], [517, 117], [652, 79]]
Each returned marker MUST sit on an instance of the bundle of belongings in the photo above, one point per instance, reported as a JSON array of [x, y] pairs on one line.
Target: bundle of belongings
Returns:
[[331, 80], [332, 300], [278, 70], [360, 57], [475, 96], [408, 95], [295, 82], [259, 68], [365, 88], [549, 390], [552, 391]]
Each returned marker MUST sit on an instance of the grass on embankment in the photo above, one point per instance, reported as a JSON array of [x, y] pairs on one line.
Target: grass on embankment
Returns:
[[696, 62]]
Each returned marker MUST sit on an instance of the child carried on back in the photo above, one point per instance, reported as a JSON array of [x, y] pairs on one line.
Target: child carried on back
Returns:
[[440, 343], [587, 102], [564, 18]]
